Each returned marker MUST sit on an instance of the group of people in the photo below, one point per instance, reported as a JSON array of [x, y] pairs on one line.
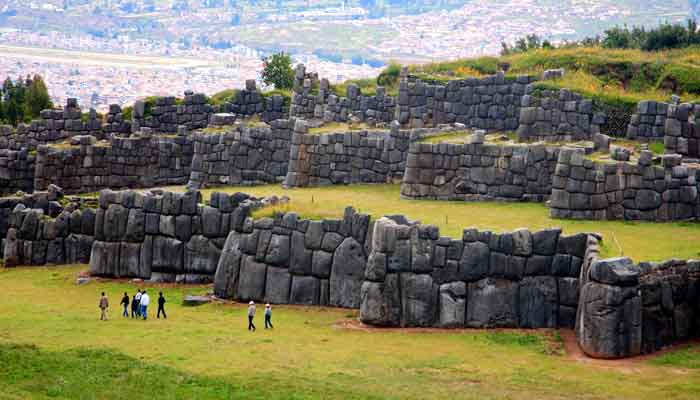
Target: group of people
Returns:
[[139, 305], [251, 315], [139, 308]]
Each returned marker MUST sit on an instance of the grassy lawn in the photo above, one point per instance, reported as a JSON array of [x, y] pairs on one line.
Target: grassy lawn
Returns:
[[52, 345], [640, 240]]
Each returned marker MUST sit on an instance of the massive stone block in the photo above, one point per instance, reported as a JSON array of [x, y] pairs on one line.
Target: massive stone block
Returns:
[[201, 256], [277, 286], [347, 273], [228, 268], [492, 303], [305, 290], [418, 300], [381, 302], [453, 304], [539, 303], [251, 281]]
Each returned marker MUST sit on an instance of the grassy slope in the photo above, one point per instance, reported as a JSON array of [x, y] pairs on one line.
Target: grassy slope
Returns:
[[639, 240], [206, 352]]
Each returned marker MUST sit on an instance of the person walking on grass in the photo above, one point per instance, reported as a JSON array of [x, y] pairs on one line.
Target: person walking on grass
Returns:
[[145, 301], [251, 315], [135, 304], [268, 316], [161, 305], [125, 303], [104, 305], [137, 297]]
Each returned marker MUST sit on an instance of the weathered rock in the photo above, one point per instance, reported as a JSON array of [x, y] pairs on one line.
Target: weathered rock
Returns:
[[492, 303], [419, 298], [381, 302], [251, 282], [277, 286], [539, 303], [305, 290], [453, 304], [347, 273]]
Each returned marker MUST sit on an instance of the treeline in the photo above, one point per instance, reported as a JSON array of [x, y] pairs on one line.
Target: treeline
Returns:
[[663, 37], [23, 99]]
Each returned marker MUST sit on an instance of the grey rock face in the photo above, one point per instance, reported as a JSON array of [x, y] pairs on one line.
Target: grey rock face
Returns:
[[615, 271], [347, 273], [305, 290], [277, 286], [492, 303], [453, 304], [251, 281], [381, 302], [418, 300], [539, 303]]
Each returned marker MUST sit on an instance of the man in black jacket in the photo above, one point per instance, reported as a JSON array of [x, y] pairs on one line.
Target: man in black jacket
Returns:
[[125, 303], [161, 305]]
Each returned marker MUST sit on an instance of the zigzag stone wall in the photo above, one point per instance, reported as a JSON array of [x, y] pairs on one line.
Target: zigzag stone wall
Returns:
[[479, 171], [127, 162], [290, 260], [415, 277], [558, 115], [584, 189], [242, 155], [344, 158], [168, 237]]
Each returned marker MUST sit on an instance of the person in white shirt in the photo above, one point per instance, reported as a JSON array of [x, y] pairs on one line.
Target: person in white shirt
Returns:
[[145, 300], [137, 304]]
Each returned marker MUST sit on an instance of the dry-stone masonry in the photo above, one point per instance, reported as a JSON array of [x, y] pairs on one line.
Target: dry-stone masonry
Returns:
[[167, 113], [250, 102], [348, 157], [584, 189], [289, 260], [16, 171], [415, 277], [141, 160], [168, 237], [479, 171], [558, 115], [491, 103], [682, 130], [241, 155], [649, 121]]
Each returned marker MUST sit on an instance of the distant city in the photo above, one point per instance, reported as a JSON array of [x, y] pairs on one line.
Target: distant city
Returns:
[[115, 51]]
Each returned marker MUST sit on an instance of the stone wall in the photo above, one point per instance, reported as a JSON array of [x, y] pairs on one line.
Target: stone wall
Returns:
[[345, 158], [242, 155], [34, 238], [250, 102], [558, 115], [649, 121], [627, 309], [167, 237], [166, 114], [416, 278], [16, 171], [289, 260], [491, 103], [682, 130], [479, 171], [584, 189], [141, 160]]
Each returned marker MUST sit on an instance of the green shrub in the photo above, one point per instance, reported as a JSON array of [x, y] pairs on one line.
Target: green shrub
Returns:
[[680, 78]]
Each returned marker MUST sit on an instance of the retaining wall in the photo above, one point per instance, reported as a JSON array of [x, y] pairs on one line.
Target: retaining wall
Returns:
[[558, 115], [584, 189], [242, 155], [479, 171], [127, 162], [523, 279], [165, 115], [289, 260], [649, 121], [168, 237], [682, 130], [16, 171], [250, 102], [345, 158]]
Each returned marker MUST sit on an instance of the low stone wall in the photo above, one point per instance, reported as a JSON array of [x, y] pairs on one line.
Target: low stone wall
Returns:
[[242, 155], [346, 158], [558, 115], [289, 260], [649, 121], [627, 309], [583, 189], [166, 115], [416, 278], [682, 130], [491, 103], [168, 237], [16, 171], [479, 171], [34, 238], [127, 162]]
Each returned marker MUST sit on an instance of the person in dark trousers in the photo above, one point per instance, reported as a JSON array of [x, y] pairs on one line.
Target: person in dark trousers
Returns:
[[161, 305], [104, 305], [251, 315], [268, 316], [125, 303], [135, 305], [145, 302]]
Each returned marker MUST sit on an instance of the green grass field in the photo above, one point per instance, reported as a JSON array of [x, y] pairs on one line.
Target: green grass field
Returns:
[[52, 345], [640, 240]]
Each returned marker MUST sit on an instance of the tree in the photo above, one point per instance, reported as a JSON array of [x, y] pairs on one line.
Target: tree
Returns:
[[37, 97], [277, 71]]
